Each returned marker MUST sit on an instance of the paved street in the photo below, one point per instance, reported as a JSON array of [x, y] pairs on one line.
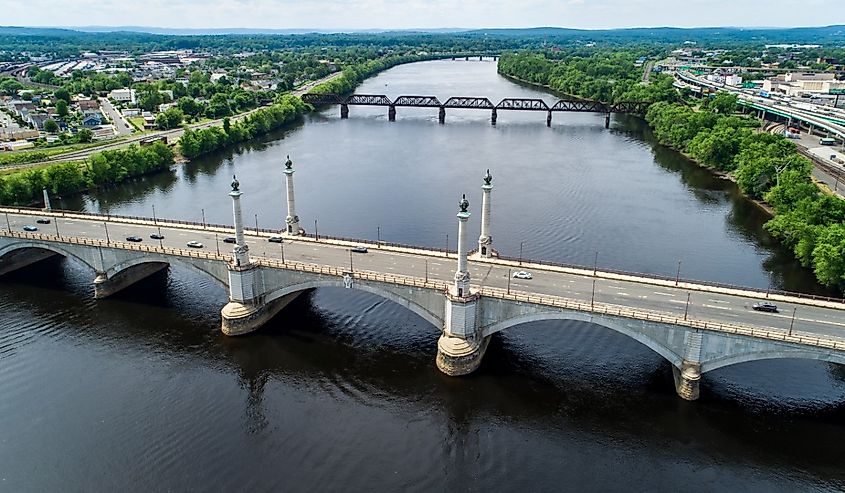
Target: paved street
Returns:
[[705, 303], [120, 124]]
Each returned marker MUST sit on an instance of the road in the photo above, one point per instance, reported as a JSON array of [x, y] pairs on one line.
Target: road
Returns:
[[705, 303], [120, 124], [172, 135]]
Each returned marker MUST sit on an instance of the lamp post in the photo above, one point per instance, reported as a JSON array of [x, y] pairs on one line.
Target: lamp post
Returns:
[[8, 225], [203, 218], [106, 227], [378, 236], [593, 296], [217, 241], [282, 247], [678, 275], [447, 244], [350, 261], [56, 223], [155, 221], [316, 236], [509, 280], [686, 308], [426, 271], [792, 323], [520, 252], [596, 264]]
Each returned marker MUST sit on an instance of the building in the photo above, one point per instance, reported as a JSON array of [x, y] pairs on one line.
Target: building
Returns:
[[124, 95], [92, 120], [88, 104], [800, 84]]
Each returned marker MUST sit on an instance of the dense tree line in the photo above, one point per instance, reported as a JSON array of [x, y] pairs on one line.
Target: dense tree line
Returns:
[[285, 110], [601, 75], [765, 166], [104, 168]]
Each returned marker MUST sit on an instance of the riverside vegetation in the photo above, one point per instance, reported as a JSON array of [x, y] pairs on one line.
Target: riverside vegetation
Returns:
[[765, 166]]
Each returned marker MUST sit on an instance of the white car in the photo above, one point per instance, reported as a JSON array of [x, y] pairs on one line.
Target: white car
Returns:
[[521, 274], [195, 244]]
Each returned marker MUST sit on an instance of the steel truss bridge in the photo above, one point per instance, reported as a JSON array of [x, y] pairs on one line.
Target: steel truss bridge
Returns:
[[467, 102]]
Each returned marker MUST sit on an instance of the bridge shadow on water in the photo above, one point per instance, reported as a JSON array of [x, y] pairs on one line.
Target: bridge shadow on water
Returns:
[[556, 382]]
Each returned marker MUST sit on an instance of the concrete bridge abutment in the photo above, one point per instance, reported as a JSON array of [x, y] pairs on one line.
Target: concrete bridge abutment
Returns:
[[461, 347], [243, 318]]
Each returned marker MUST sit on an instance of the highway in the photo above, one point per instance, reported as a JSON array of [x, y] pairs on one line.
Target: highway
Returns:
[[705, 303]]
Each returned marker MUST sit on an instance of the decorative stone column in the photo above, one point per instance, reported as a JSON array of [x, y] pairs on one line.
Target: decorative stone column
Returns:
[[460, 349], [241, 250], [485, 241], [292, 220], [244, 312], [461, 286]]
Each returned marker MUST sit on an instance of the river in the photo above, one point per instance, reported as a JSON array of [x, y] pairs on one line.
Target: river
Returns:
[[340, 391]]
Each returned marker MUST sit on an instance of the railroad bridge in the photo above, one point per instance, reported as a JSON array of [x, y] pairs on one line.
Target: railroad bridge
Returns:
[[466, 296], [476, 103]]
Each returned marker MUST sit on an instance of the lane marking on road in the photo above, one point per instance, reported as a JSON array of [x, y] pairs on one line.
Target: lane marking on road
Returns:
[[623, 294], [716, 307], [720, 301], [664, 294], [677, 301]]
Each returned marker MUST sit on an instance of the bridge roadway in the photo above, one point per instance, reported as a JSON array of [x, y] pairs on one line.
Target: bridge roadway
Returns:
[[714, 304]]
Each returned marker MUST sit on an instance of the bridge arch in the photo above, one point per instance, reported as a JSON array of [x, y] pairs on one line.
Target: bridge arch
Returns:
[[781, 353], [434, 319], [148, 258], [56, 248], [643, 339]]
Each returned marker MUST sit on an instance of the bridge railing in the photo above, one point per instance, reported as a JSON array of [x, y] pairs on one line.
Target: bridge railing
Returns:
[[653, 316], [444, 251]]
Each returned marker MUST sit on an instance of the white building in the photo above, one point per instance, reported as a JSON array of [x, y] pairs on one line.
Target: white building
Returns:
[[798, 84], [123, 95]]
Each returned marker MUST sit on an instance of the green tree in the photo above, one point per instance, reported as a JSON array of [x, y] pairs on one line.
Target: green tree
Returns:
[[62, 94], [61, 108], [50, 126], [85, 135]]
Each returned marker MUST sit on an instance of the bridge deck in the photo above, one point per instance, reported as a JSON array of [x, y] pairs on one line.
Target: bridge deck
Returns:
[[817, 321]]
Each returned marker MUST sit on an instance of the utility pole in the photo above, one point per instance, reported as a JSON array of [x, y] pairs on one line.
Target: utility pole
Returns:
[[8, 225], [596, 264], [792, 323], [203, 218], [316, 236], [678, 275], [105, 226], [350, 261], [426, 271], [155, 221], [509, 280], [520, 252], [378, 236], [686, 309], [593, 296]]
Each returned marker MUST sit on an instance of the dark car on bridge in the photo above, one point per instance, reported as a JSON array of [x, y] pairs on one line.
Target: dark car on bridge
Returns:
[[359, 249], [30, 227], [230, 239], [765, 307], [156, 236], [275, 239], [43, 221], [134, 239]]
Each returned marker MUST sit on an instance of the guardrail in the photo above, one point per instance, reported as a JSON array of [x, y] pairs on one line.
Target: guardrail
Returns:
[[751, 292], [553, 301]]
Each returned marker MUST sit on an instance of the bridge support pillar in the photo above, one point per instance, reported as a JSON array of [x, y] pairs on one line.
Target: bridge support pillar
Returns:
[[344, 111], [441, 116], [687, 380], [459, 349], [607, 120], [549, 119], [493, 116], [242, 318], [479, 58], [106, 286], [391, 113]]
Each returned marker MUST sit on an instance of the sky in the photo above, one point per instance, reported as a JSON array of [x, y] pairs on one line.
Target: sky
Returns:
[[409, 14]]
